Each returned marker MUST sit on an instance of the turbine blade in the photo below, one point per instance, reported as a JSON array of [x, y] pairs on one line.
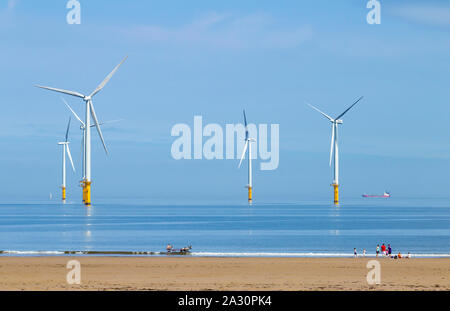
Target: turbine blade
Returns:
[[321, 112], [76, 94], [97, 125], [332, 143], [243, 153], [342, 114], [70, 157], [73, 112], [67, 131], [246, 128], [108, 77]]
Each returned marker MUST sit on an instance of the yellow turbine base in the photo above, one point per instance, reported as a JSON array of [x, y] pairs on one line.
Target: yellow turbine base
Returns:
[[87, 193], [336, 194], [250, 200], [63, 193]]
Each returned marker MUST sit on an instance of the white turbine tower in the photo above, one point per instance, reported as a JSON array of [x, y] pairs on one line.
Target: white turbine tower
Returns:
[[65, 145], [82, 128], [334, 146], [248, 144], [90, 112]]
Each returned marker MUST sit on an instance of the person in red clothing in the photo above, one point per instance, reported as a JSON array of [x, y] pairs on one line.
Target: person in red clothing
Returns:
[[383, 249]]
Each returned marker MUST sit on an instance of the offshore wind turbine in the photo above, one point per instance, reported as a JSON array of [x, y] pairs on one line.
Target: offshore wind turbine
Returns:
[[90, 112], [248, 144], [65, 149], [334, 150]]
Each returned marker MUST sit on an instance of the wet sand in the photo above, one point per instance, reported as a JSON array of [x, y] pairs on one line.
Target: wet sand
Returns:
[[242, 274]]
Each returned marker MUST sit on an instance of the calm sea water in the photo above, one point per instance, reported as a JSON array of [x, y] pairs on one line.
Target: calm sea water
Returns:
[[306, 229]]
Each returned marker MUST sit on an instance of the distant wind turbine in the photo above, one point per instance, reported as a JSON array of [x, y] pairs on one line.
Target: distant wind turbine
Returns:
[[90, 112], [334, 146], [248, 144], [65, 145]]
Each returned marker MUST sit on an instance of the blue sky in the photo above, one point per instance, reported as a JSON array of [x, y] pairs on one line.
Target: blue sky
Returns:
[[214, 58]]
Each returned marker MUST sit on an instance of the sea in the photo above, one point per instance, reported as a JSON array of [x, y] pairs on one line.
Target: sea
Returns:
[[304, 229]]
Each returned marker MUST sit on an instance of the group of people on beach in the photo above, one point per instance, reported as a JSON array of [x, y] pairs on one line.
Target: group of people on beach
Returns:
[[385, 251]]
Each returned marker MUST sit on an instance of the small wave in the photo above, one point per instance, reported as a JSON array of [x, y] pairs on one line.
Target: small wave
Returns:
[[32, 252], [209, 254]]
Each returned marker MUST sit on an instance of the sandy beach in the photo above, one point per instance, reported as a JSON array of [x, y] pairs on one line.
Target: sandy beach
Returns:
[[242, 274]]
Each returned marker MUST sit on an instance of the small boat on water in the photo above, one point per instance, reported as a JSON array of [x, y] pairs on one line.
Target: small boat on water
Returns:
[[384, 195]]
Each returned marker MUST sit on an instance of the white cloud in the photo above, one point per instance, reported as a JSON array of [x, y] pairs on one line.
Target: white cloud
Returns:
[[425, 14], [225, 31]]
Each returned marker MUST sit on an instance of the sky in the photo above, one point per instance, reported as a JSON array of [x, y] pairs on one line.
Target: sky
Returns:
[[214, 59]]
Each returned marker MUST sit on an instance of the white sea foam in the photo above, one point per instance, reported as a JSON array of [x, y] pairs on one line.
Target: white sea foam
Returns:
[[221, 254], [33, 252]]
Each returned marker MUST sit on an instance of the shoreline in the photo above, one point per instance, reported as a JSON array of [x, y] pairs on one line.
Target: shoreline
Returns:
[[190, 273], [13, 253]]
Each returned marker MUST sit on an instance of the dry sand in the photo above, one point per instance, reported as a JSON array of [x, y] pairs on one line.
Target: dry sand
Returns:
[[242, 274]]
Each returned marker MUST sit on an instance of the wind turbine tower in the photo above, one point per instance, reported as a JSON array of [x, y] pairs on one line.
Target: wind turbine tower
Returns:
[[65, 149], [334, 150], [83, 127], [248, 144]]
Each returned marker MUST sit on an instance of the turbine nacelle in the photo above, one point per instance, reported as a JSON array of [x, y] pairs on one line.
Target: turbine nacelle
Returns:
[[338, 121]]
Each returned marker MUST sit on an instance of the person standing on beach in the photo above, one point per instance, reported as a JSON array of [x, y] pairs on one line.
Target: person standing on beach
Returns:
[[389, 250], [355, 254], [378, 249], [383, 249], [364, 252]]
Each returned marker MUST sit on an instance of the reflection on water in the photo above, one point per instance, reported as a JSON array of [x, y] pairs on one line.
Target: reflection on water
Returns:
[[89, 211], [334, 232]]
